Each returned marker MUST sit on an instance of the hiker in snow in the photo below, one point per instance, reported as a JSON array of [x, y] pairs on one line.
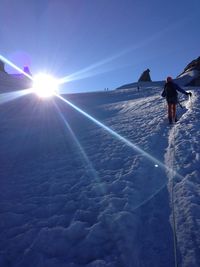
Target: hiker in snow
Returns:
[[170, 92]]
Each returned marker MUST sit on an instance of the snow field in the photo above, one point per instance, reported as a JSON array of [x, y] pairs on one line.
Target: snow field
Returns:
[[88, 199]]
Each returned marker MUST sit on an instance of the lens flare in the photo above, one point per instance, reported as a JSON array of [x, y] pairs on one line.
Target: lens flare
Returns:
[[44, 85], [89, 167], [10, 96]]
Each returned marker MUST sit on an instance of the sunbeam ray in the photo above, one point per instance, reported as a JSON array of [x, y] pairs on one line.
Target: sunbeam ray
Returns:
[[87, 162], [152, 159], [14, 66], [91, 70], [6, 97], [87, 72]]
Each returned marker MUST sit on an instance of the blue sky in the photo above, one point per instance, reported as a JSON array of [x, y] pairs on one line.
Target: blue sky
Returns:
[[107, 43]]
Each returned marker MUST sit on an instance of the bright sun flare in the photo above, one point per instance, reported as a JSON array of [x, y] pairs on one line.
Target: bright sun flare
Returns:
[[45, 85]]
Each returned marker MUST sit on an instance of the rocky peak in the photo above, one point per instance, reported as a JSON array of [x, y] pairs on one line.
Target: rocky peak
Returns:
[[192, 70], [2, 66], [145, 76], [194, 65]]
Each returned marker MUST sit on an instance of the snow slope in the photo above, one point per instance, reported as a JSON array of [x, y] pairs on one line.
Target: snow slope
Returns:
[[74, 195], [186, 77], [13, 82]]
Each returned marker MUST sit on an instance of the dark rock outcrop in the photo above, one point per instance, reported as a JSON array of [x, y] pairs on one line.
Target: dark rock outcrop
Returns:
[[194, 65], [2, 66], [13, 82], [145, 77], [27, 70]]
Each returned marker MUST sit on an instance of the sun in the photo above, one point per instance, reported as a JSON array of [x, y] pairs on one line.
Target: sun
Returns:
[[45, 85]]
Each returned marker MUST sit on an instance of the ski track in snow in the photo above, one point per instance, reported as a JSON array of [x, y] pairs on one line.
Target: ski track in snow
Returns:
[[88, 199]]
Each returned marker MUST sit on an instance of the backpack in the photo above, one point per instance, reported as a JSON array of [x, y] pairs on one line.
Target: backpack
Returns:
[[170, 90]]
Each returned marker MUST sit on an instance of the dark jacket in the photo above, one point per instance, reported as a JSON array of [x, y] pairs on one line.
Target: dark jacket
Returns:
[[170, 92]]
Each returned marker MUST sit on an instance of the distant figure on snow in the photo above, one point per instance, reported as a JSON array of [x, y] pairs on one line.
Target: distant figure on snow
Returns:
[[170, 92]]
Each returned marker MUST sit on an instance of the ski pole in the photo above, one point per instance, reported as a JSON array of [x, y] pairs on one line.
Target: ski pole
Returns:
[[180, 104]]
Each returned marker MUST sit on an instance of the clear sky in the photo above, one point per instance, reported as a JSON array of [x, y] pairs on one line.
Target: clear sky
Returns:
[[106, 43]]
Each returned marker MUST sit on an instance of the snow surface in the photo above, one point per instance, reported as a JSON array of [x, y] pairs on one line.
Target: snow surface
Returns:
[[74, 195]]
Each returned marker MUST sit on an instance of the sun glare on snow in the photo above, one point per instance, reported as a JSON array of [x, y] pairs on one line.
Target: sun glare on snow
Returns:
[[44, 85]]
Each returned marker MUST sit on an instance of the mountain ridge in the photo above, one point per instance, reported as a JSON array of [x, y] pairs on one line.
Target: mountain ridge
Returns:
[[189, 77]]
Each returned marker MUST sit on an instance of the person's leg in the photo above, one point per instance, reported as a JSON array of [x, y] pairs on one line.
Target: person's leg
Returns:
[[174, 113], [170, 115]]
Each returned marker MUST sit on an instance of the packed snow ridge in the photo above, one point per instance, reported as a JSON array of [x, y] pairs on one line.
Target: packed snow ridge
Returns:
[[73, 194]]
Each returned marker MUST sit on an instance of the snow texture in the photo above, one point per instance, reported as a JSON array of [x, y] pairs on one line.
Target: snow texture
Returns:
[[73, 194]]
